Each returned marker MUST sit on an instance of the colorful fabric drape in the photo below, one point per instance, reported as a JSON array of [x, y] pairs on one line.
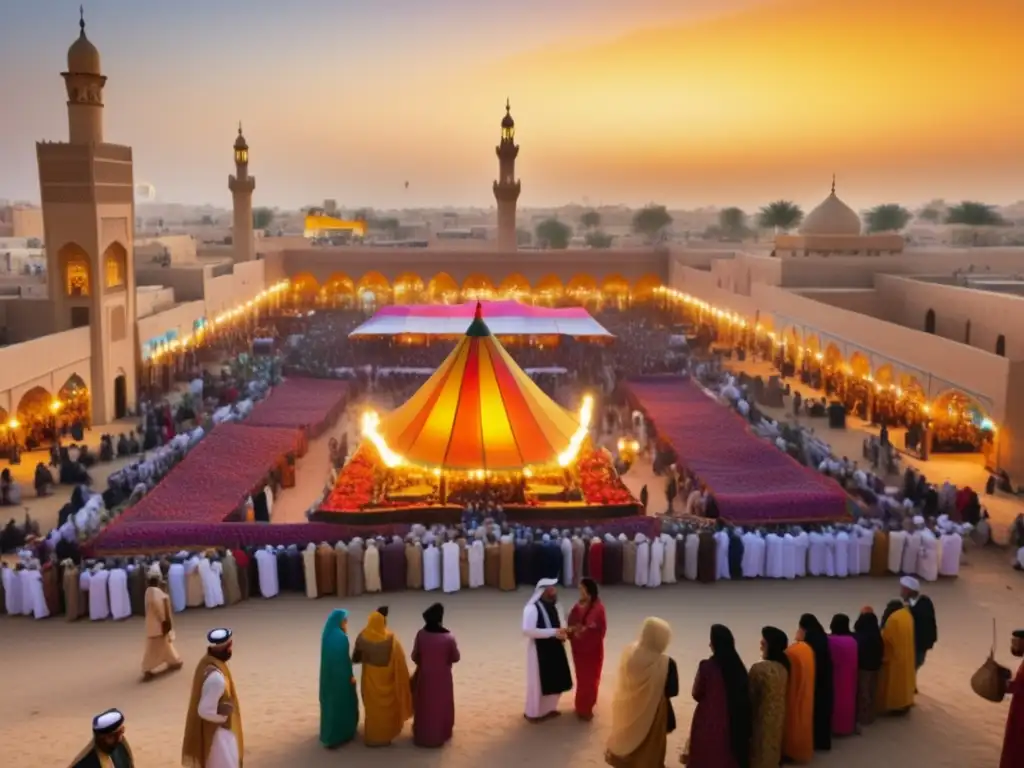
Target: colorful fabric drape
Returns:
[[339, 704]]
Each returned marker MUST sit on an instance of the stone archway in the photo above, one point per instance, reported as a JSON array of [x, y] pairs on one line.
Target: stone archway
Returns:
[[304, 287], [339, 290], [115, 266], [515, 287], [408, 288], [478, 288], [373, 290], [860, 365], [75, 271], [582, 289], [442, 289], [35, 406], [549, 289]]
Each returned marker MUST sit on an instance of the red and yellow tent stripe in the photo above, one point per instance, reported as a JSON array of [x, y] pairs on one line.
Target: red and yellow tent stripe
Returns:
[[478, 411]]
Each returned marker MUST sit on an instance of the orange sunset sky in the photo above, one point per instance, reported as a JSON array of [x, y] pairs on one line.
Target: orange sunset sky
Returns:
[[685, 103]]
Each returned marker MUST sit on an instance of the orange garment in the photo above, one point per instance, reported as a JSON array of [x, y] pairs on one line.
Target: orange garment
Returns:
[[898, 675], [385, 685], [798, 740]]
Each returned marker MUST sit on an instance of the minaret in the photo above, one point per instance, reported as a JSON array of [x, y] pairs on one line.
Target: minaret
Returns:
[[506, 188], [241, 186], [87, 190], [84, 83]]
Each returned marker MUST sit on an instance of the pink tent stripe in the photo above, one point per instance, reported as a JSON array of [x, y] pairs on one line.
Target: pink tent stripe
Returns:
[[490, 309]]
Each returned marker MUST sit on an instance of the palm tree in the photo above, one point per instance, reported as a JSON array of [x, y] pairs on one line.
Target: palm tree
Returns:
[[651, 221], [974, 214], [781, 215], [889, 217]]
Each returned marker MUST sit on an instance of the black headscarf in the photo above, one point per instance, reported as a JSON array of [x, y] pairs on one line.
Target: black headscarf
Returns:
[[383, 611], [737, 692], [591, 587], [840, 624], [890, 608], [814, 636], [433, 619], [776, 642], [869, 641]]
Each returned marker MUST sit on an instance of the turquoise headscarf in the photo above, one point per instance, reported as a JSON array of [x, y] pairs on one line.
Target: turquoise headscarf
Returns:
[[339, 704]]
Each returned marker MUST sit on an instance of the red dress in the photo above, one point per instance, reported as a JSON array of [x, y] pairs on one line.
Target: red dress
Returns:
[[595, 561], [710, 745], [1013, 741], [587, 653]]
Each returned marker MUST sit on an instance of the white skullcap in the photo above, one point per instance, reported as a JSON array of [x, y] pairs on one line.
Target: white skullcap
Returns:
[[910, 583], [107, 722], [221, 636], [918, 520]]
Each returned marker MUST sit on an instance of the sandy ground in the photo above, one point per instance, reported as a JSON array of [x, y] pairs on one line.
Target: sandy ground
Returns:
[[57, 675]]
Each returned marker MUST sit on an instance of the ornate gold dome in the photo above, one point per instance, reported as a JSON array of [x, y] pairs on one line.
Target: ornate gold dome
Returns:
[[83, 57], [832, 217]]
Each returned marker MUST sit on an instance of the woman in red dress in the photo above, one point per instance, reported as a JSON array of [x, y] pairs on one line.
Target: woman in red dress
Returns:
[[587, 627]]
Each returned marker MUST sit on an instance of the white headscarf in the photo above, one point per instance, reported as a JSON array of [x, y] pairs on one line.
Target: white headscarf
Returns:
[[542, 585]]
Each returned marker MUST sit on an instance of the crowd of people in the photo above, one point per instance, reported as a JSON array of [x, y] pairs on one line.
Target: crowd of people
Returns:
[[792, 703]]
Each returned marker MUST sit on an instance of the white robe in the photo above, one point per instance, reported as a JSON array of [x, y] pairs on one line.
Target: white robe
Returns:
[[476, 564], [928, 557], [33, 601], [450, 578], [213, 593], [722, 555], [566, 562], [760, 556], [865, 541], [176, 586], [266, 569], [749, 563], [657, 563], [829, 540], [12, 591], [788, 556], [816, 558], [910, 552], [668, 570], [852, 542], [537, 705], [371, 568], [897, 542], [99, 603], [803, 543], [690, 547], [224, 749], [952, 546], [643, 560], [120, 600], [309, 570], [431, 568], [774, 567]]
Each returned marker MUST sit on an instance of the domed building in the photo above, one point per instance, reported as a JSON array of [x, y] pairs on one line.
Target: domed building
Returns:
[[834, 229]]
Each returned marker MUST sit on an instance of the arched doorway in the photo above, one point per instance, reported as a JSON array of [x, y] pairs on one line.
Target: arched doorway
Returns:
[[120, 395], [582, 289], [515, 287], [960, 424], [1001, 345], [929, 321], [75, 271], [373, 290], [442, 289], [35, 417], [304, 288], [115, 266], [646, 288], [549, 289], [339, 290], [408, 288], [478, 288], [73, 402]]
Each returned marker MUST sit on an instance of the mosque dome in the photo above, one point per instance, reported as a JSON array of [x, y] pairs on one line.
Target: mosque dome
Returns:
[[83, 56], [832, 217], [507, 121], [240, 142]]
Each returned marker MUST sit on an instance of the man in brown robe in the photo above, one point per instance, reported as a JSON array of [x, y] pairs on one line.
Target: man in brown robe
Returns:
[[628, 560], [393, 573], [326, 570], [137, 587], [72, 591], [507, 558], [232, 585], [880, 554], [463, 562], [578, 550], [413, 564], [341, 569], [160, 654], [492, 562], [355, 568], [707, 554], [51, 587], [613, 553]]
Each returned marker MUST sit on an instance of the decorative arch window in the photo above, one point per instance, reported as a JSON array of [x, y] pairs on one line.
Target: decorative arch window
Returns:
[[1001, 345], [929, 321], [76, 277], [114, 266]]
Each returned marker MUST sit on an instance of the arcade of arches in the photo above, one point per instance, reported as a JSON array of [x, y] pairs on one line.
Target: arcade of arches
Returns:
[[938, 418], [374, 289], [41, 415]]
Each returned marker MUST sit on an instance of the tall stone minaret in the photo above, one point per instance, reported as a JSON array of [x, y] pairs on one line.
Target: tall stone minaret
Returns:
[[506, 188], [241, 186]]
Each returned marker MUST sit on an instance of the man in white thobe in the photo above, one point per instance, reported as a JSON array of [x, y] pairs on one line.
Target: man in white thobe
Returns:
[[176, 585], [371, 567], [749, 562], [952, 546], [865, 542], [722, 554], [803, 543], [476, 562], [788, 556], [213, 592], [33, 599], [841, 553], [897, 543], [450, 577], [309, 570], [12, 590], [99, 602], [566, 546], [431, 568], [216, 705], [912, 547], [928, 556], [266, 571], [547, 666], [120, 600], [668, 569], [690, 548], [657, 562], [816, 561], [643, 561]]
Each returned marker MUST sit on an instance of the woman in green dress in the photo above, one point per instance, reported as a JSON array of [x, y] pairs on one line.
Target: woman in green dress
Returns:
[[339, 704]]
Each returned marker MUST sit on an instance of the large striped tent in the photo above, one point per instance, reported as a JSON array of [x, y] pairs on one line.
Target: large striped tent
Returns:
[[479, 412]]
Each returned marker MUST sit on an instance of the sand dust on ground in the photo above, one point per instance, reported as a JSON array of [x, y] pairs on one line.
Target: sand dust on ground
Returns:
[[56, 675]]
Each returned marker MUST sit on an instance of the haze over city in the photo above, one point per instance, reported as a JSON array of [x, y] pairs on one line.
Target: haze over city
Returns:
[[708, 102]]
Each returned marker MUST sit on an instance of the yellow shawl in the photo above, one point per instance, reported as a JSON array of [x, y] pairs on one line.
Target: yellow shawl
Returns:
[[376, 631], [640, 687], [195, 748]]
